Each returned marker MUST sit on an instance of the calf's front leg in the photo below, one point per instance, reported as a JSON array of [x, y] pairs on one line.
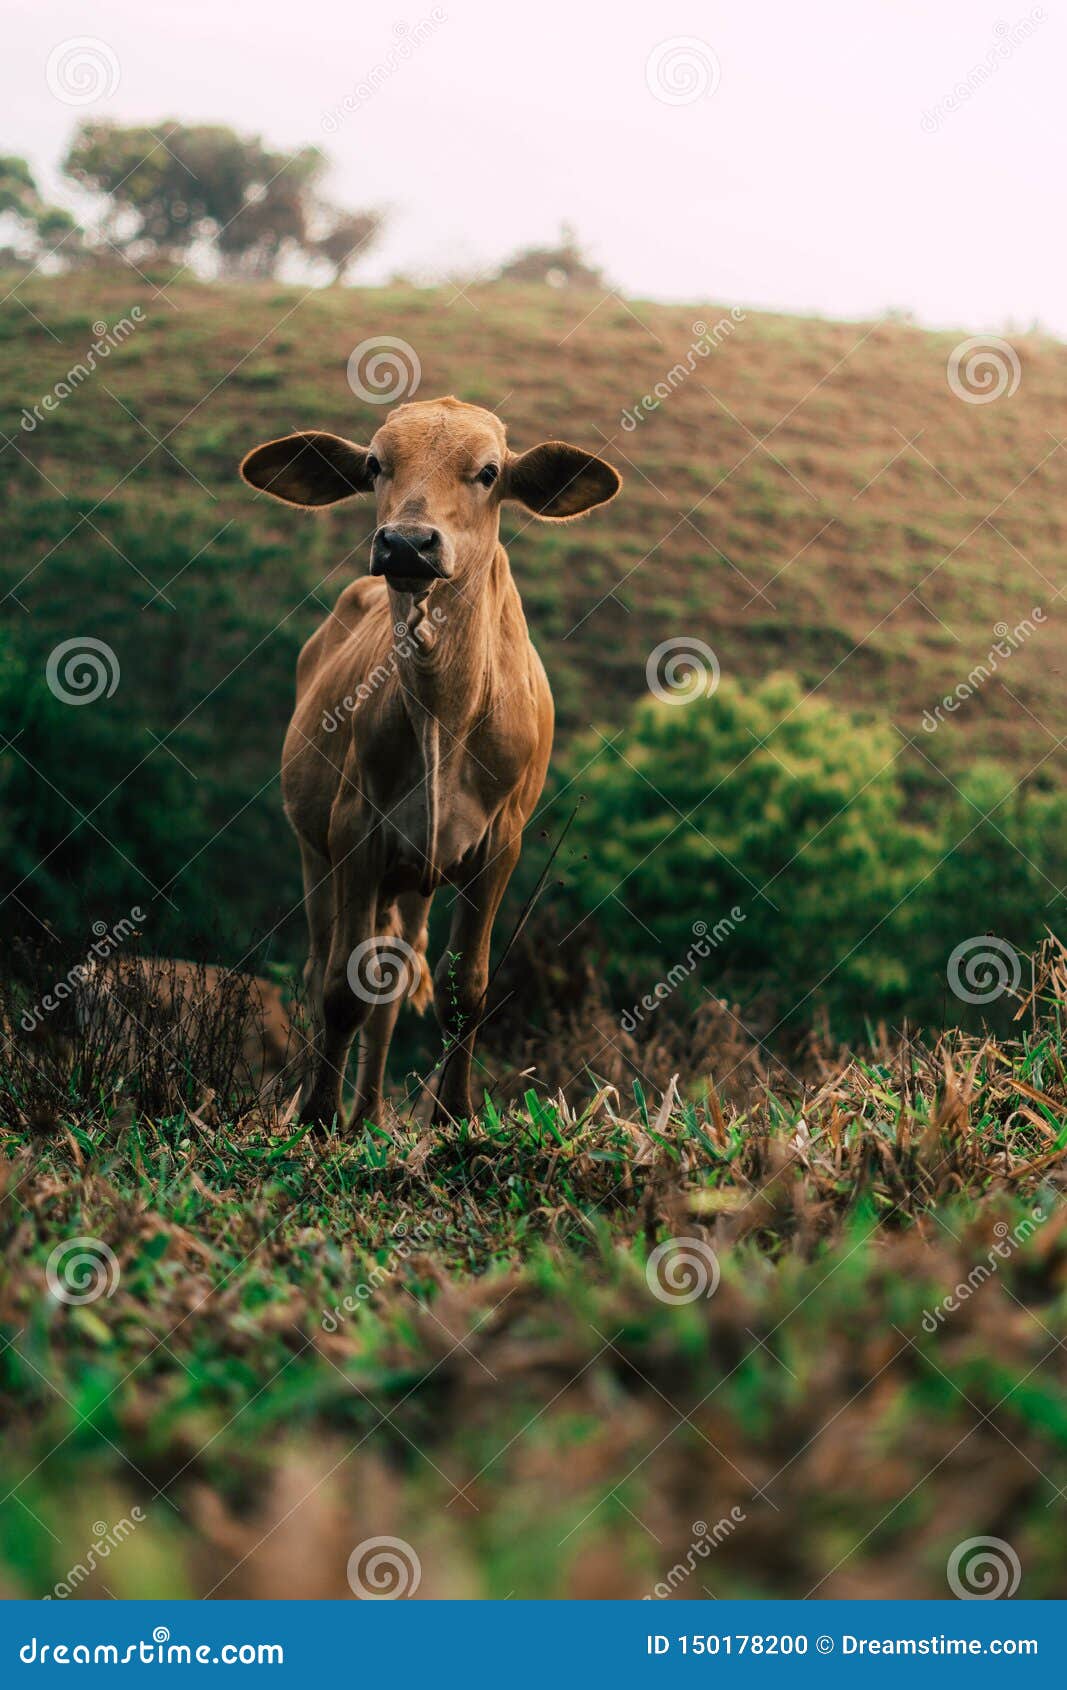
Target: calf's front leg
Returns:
[[345, 1002], [400, 966], [462, 975], [318, 907]]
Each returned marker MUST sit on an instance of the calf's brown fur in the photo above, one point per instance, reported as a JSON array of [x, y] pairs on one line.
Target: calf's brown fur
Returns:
[[422, 730]]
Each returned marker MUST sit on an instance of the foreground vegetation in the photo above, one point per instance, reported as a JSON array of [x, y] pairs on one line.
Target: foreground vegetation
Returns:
[[471, 1340], [232, 1351]]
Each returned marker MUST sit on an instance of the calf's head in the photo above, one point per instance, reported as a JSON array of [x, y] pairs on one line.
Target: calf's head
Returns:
[[439, 470]]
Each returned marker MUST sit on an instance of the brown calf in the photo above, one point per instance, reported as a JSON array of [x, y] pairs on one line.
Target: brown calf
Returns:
[[422, 730]]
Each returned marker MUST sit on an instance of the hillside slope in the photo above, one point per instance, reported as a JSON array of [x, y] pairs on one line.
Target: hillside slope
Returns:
[[808, 495]]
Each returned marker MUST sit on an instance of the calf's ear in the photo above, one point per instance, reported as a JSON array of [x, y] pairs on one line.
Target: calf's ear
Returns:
[[308, 469], [558, 481]]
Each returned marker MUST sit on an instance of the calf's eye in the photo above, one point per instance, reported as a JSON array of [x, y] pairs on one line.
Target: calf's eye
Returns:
[[485, 477], [374, 468]]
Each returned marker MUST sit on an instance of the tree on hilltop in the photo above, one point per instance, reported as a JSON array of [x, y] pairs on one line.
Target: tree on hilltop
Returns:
[[181, 190], [36, 227], [558, 266]]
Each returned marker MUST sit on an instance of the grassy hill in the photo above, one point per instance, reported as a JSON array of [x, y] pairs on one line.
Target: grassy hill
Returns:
[[810, 496]]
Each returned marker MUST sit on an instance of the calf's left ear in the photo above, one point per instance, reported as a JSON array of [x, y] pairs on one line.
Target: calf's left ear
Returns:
[[559, 481], [309, 469]]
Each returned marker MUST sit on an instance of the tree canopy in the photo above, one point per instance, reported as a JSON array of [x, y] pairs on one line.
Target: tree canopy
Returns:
[[177, 192], [36, 225], [558, 266]]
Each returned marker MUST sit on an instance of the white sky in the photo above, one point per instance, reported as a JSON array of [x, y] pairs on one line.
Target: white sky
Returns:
[[804, 181]]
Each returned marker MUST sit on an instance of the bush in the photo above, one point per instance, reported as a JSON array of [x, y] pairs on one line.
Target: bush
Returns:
[[94, 819], [208, 671], [1000, 870], [791, 832], [774, 819]]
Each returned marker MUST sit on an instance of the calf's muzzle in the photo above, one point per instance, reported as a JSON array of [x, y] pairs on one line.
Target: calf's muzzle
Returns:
[[408, 553]]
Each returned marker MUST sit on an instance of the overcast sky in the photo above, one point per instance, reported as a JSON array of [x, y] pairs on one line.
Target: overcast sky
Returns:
[[802, 157]]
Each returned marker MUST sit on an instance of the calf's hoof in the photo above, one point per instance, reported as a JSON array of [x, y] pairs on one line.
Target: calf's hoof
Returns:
[[321, 1111], [366, 1115], [449, 1109]]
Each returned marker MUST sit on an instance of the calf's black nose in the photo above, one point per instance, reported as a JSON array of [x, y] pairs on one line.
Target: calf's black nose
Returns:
[[407, 554]]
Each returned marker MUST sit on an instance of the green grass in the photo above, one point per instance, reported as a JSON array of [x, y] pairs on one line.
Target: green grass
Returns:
[[452, 1337]]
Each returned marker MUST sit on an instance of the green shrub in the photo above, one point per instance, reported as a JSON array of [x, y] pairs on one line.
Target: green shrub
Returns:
[[1001, 869], [790, 830], [94, 819], [765, 803]]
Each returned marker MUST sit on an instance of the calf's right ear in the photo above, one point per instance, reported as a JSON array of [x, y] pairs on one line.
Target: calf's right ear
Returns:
[[308, 469]]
